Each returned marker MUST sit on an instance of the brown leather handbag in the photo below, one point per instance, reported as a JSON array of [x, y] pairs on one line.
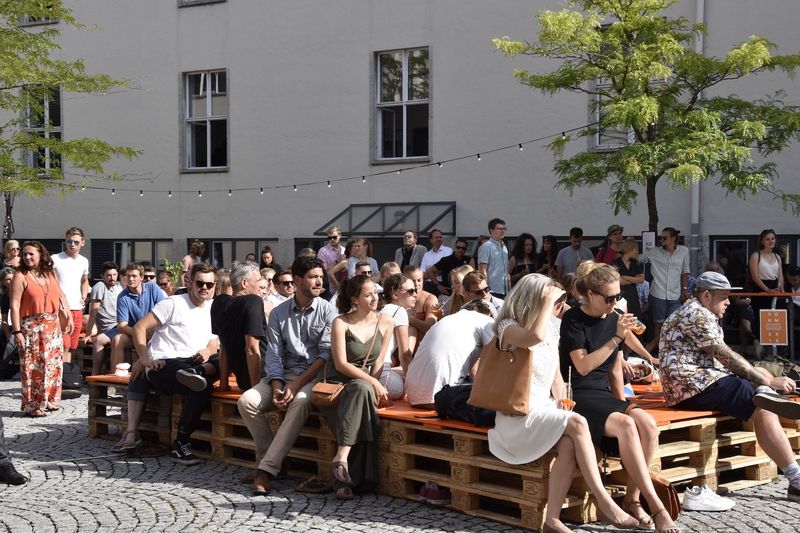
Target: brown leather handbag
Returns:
[[667, 494], [503, 380], [324, 394]]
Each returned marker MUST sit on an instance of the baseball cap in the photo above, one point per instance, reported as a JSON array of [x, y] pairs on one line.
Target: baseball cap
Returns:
[[711, 281], [613, 228]]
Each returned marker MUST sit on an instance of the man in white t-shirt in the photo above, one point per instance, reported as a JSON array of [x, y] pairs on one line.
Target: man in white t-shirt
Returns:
[[177, 360], [72, 271], [449, 351]]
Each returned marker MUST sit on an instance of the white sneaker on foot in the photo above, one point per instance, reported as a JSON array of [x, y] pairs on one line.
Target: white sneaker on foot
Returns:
[[704, 499]]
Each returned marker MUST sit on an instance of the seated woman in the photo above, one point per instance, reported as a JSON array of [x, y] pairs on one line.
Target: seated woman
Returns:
[[358, 364], [457, 299], [591, 334], [400, 297], [527, 319]]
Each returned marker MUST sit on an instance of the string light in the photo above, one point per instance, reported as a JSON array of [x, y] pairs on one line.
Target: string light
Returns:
[[295, 188], [563, 136], [113, 192], [479, 157], [261, 191], [329, 184], [83, 188], [520, 147], [199, 194], [439, 164], [399, 170], [141, 193], [170, 194], [230, 193], [363, 179]]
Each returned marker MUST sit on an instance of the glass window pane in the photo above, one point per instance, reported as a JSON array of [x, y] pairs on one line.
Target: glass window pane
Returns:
[[197, 144], [391, 77], [245, 247], [221, 254], [163, 251], [732, 257], [196, 95], [55, 157], [417, 132], [143, 251], [219, 84], [219, 105], [219, 143], [54, 104], [418, 74], [122, 253], [392, 131]]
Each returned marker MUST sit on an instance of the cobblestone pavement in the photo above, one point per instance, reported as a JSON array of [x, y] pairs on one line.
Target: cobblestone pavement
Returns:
[[77, 485]]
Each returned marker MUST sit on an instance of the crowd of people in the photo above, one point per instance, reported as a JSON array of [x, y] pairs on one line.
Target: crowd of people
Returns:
[[408, 328]]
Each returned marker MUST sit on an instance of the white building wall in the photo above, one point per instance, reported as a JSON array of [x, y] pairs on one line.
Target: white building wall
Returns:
[[299, 80]]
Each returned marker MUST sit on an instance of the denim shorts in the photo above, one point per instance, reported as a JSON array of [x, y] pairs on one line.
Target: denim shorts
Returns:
[[731, 395], [661, 309]]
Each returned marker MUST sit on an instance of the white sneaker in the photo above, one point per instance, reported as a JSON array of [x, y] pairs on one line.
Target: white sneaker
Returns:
[[705, 499]]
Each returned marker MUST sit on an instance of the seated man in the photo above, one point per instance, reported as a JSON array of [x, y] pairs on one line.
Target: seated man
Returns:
[[700, 372], [298, 346], [284, 287], [364, 268], [448, 353], [134, 302], [475, 286], [103, 316], [177, 360]]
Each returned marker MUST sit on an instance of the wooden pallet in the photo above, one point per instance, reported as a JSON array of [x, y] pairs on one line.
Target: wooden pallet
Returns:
[[108, 411]]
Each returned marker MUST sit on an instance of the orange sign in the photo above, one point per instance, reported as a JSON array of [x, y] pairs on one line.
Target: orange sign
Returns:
[[774, 329]]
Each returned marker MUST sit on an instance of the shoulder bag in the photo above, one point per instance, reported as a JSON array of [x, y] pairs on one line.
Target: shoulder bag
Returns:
[[503, 380], [667, 494], [324, 394]]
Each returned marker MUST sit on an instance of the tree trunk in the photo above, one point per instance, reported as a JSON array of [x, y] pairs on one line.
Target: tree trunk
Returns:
[[652, 208]]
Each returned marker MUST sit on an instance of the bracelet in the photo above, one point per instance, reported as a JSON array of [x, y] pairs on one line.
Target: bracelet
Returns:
[[615, 336], [616, 343], [16, 331]]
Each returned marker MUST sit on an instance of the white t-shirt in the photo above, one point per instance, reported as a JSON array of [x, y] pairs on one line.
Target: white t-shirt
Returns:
[[185, 328], [69, 272], [400, 317], [446, 353]]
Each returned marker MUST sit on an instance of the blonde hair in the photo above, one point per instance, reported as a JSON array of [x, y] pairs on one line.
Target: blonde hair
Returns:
[[629, 245], [590, 276], [524, 303], [457, 298], [8, 246], [223, 283]]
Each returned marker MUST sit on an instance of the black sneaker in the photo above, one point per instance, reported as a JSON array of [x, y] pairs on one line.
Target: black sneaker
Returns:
[[192, 379], [780, 405], [793, 493], [10, 476], [182, 453], [71, 394]]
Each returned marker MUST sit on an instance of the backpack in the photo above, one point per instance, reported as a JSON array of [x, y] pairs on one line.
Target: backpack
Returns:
[[451, 402]]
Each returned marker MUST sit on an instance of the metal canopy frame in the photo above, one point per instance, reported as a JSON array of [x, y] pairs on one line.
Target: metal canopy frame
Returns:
[[352, 223]]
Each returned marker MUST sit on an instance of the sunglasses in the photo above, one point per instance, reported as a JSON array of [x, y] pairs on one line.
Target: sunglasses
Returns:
[[286, 283], [481, 292], [164, 284], [461, 247], [149, 276], [204, 284], [365, 273], [611, 298], [72, 242], [15, 249], [411, 292], [333, 237]]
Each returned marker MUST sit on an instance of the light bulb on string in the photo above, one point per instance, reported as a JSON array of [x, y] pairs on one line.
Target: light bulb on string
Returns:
[[478, 156], [83, 188], [199, 194], [329, 184], [563, 136], [521, 147], [261, 191], [113, 192], [295, 188], [230, 193], [363, 179], [399, 170], [169, 194], [439, 164], [141, 193]]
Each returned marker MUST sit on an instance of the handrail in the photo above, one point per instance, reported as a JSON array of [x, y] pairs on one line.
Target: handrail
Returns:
[[765, 294]]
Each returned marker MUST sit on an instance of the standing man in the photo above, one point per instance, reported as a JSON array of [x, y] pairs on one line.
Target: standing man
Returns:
[[72, 271], [568, 258], [437, 252], [103, 316], [332, 252], [441, 270], [700, 372], [493, 258], [299, 345], [612, 248], [669, 266], [410, 253], [240, 323]]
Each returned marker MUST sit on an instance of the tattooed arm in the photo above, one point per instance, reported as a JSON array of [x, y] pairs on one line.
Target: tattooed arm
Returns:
[[736, 363]]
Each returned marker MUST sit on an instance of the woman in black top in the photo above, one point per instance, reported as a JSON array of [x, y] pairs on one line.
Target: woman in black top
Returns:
[[591, 335], [631, 275], [523, 258], [546, 259]]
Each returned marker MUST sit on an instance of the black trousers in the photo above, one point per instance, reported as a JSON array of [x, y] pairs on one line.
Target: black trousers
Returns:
[[164, 381], [4, 458]]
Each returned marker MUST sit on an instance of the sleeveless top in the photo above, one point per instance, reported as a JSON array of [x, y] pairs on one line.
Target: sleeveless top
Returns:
[[767, 270], [356, 351], [37, 299]]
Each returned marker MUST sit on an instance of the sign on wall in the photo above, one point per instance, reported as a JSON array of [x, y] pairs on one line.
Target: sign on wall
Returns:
[[774, 330]]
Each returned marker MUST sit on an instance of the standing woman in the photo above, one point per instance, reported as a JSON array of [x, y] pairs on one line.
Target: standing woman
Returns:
[[523, 257], [36, 301], [591, 335], [11, 254], [546, 259], [362, 251], [358, 364], [195, 256], [527, 320], [630, 275], [766, 272]]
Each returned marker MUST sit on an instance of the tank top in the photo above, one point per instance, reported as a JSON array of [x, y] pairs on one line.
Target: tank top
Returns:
[[37, 299], [767, 270]]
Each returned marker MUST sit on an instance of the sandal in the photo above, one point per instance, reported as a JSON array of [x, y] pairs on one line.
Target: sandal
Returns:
[[669, 529], [628, 523], [124, 445], [314, 485], [340, 473], [52, 407], [36, 413], [344, 493], [635, 510]]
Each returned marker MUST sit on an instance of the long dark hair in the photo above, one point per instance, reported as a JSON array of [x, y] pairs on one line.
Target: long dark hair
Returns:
[[350, 289], [45, 262], [548, 257], [764, 234], [518, 252], [391, 286]]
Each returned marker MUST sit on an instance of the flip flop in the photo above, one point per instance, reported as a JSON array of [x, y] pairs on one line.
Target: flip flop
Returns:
[[314, 485], [344, 493], [340, 473], [124, 446]]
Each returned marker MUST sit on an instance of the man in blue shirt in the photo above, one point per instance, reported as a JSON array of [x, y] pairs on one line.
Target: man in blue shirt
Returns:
[[493, 258], [299, 345], [133, 303]]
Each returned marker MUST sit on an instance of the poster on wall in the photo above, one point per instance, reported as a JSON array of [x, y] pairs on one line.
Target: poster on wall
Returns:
[[648, 241]]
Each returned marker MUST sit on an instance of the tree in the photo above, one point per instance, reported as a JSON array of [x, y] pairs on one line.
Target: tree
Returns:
[[652, 85], [33, 156]]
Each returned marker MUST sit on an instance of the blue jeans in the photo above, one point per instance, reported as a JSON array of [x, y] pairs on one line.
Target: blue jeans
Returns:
[[661, 309]]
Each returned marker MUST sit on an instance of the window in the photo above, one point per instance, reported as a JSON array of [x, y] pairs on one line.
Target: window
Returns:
[[223, 252], [125, 251], [732, 255], [205, 114], [607, 138], [403, 104], [42, 18], [43, 119]]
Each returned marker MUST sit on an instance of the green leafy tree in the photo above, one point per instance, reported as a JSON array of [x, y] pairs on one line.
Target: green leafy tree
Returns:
[[652, 84], [34, 159]]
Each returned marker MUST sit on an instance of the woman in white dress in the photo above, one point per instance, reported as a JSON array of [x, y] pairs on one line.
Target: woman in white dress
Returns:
[[527, 319]]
